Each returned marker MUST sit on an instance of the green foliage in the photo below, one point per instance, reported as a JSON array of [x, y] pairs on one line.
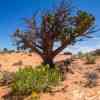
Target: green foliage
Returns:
[[54, 76], [83, 21], [39, 79], [90, 59], [58, 25], [34, 96]]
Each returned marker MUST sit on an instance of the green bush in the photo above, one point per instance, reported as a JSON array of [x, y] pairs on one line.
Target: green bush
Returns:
[[38, 79], [90, 59], [54, 76]]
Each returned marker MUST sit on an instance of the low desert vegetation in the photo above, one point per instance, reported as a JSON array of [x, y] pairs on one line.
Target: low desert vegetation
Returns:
[[59, 26], [90, 59], [91, 79], [80, 55], [40, 79], [6, 78]]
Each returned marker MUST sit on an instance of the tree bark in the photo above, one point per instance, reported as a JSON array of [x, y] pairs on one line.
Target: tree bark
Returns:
[[48, 60]]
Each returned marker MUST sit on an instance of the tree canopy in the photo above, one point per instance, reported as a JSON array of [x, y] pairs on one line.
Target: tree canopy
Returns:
[[58, 26]]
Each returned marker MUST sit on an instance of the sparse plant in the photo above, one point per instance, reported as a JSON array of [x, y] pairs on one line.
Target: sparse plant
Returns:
[[34, 96], [67, 61], [90, 59], [80, 55], [6, 77], [12, 51], [5, 50], [91, 79]]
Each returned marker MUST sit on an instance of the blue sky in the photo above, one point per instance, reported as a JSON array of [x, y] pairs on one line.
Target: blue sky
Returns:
[[11, 12]]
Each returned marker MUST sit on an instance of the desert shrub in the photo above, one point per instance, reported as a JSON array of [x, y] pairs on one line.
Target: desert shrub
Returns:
[[6, 77], [11, 51], [39, 79], [19, 63], [91, 79], [5, 50], [90, 59], [54, 76], [80, 55]]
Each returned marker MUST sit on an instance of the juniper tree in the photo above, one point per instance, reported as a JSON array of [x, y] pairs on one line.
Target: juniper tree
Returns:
[[60, 26]]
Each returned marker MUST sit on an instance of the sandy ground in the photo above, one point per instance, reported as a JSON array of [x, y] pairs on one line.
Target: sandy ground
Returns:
[[71, 89], [14, 61]]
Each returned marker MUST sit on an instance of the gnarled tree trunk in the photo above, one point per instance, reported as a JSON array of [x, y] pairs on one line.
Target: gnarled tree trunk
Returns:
[[48, 59], [49, 62]]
